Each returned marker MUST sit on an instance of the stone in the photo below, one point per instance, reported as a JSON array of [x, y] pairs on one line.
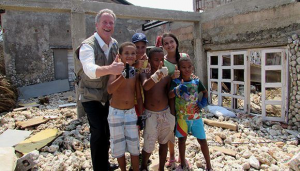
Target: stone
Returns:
[[295, 36], [293, 63], [297, 117], [28, 161], [294, 163], [276, 127], [273, 132], [254, 162], [274, 167], [246, 166], [280, 144], [246, 154], [290, 40]]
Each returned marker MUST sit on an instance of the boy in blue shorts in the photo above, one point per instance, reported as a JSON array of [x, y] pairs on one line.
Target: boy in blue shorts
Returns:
[[184, 90]]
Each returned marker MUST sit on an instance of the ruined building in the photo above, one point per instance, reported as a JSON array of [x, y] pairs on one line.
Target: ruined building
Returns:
[[246, 52]]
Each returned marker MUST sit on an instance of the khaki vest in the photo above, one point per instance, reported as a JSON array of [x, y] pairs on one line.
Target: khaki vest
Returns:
[[94, 89]]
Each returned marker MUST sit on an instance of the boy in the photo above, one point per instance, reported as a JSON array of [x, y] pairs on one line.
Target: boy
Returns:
[[141, 62], [122, 117], [160, 122], [185, 90], [140, 41]]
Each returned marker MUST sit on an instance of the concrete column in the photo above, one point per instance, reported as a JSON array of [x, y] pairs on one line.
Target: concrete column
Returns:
[[200, 57], [78, 33]]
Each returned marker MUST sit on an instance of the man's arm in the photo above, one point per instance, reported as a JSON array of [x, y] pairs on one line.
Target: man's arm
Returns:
[[94, 71], [115, 68]]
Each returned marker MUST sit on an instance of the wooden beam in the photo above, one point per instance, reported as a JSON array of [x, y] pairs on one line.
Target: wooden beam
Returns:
[[225, 151], [226, 125], [92, 7]]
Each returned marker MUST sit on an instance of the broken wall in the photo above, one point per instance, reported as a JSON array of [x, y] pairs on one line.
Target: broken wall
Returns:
[[250, 24], [30, 38], [294, 67], [257, 24]]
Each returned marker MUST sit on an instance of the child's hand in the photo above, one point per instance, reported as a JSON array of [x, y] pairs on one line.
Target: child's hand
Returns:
[[180, 89], [141, 122], [193, 76], [202, 103], [128, 72], [160, 73], [176, 73]]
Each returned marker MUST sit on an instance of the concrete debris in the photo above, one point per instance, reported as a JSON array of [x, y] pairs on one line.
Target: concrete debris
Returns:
[[28, 161], [8, 159], [252, 144]]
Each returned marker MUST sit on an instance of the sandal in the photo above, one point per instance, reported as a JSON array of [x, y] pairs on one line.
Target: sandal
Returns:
[[186, 162], [170, 163]]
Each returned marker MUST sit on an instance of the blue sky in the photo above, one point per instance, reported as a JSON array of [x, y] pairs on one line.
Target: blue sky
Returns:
[[180, 5]]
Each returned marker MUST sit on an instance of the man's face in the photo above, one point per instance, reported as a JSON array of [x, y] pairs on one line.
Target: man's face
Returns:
[[140, 49], [105, 26], [128, 55]]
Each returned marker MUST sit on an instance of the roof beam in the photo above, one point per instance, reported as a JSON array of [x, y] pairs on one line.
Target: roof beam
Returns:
[[92, 7]]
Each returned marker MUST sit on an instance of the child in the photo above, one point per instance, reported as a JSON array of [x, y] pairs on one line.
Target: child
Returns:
[[122, 117], [184, 91], [141, 62], [160, 122], [140, 41]]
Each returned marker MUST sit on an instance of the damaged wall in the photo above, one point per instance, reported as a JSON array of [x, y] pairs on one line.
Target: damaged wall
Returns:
[[294, 67], [250, 24], [31, 36]]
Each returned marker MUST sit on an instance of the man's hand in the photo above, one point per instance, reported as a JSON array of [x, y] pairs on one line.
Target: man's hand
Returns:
[[180, 89], [117, 66], [160, 73], [176, 73]]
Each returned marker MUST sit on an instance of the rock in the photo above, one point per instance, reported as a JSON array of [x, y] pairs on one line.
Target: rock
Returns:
[[274, 167], [28, 161], [294, 163], [218, 139], [290, 40], [295, 36], [246, 166], [276, 127], [254, 162], [280, 144], [264, 166], [273, 132]]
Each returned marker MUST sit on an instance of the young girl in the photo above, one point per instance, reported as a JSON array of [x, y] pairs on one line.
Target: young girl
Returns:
[[171, 45], [184, 92]]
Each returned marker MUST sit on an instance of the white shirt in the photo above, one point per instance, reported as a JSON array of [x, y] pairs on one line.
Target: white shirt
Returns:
[[87, 56]]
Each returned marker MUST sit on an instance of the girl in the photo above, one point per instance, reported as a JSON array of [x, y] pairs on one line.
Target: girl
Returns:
[[171, 45]]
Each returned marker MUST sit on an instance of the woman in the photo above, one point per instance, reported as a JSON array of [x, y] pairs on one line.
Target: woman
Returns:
[[171, 45]]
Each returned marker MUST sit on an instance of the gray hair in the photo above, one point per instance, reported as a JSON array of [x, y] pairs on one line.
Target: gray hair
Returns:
[[97, 18]]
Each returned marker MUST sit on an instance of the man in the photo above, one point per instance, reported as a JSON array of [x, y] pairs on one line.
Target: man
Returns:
[[95, 60]]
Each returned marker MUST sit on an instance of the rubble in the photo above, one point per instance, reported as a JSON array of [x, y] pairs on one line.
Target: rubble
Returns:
[[255, 145]]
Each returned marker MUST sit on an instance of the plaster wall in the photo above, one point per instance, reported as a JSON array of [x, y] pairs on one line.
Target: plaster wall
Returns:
[[31, 36], [248, 25]]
